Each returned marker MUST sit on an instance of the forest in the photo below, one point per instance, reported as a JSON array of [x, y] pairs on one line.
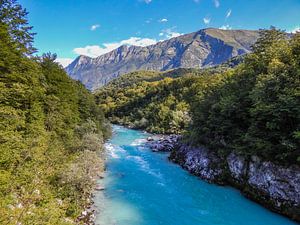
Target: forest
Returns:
[[155, 101], [252, 108], [51, 131]]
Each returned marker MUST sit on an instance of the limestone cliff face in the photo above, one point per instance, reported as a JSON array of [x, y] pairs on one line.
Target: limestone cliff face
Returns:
[[203, 48], [274, 186]]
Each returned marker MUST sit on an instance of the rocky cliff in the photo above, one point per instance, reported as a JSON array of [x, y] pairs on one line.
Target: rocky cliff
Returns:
[[204, 48], [274, 186]]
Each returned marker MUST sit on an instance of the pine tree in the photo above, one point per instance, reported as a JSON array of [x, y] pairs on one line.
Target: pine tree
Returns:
[[14, 17]]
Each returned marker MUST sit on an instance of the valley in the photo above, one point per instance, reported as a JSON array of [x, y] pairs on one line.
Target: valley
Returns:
[[243, 113], [148, 124]]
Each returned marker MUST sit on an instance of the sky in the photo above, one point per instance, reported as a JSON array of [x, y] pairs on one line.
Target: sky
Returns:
[[71, 28]]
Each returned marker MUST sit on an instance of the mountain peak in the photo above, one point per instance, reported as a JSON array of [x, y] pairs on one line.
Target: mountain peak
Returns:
[[204, 48], [82, 59]]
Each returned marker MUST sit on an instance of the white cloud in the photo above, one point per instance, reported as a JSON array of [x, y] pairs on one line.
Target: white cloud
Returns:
[[228, 14], [164, 20], [197, 1], [169, 33], [94, 27], [225, 27], [217, 3], [147, 1], [64, 61], [295, 30], [206, 20], [96, 50], [137, 41]]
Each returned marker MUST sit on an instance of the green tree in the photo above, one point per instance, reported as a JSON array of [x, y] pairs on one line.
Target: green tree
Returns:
[[255, 110], [43, 122], [15, 18]]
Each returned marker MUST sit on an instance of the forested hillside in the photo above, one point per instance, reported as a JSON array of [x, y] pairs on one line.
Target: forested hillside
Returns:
[[253, 108], [157, 102], [51, 131], [256, 110]]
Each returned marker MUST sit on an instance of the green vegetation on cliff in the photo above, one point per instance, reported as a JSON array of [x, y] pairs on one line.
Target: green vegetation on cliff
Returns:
[[256, 111], [253, 108], [51, 131]]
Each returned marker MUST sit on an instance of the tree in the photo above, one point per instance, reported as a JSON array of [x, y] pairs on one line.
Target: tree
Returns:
[[256, 109], [41, 109], [14, 17]]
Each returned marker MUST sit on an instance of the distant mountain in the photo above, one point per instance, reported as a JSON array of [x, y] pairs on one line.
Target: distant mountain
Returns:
[[204, 48]]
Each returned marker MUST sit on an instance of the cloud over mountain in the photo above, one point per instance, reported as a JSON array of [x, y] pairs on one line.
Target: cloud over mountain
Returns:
[[96, 50]]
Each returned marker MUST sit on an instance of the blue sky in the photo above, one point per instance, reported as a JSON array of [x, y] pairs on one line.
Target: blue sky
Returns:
[[94, 27]]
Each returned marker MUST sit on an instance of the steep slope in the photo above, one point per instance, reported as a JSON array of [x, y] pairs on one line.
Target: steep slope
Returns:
[[203, 48]]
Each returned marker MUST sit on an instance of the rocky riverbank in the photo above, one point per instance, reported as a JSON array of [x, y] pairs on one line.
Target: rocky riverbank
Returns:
[[87, 217], [274, 186], [162, 143]]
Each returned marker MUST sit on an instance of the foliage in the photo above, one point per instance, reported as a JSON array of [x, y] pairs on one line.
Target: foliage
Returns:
[[49, 125], [253, 108], [14, 17], [257, 110], [157, 102]]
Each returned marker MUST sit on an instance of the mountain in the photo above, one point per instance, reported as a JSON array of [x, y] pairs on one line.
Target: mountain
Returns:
[[204, 48]]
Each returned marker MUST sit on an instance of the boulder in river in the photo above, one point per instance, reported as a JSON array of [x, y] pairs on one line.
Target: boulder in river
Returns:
[[99, 188], [150, 139], [162, 143]]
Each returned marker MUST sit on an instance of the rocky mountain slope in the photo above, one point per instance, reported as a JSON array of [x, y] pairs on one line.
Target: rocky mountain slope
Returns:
[[204, 48]]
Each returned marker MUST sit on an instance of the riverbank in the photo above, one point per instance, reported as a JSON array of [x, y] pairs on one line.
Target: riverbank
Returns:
[[273, 186], [141, 184]]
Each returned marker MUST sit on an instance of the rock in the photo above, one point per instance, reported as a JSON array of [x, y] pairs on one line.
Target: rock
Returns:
[[87, 217], [279, 185], [101, 175], [200, 162], [99, 188], [150, 139], [274, 186], [237, 166], [163, 143], [207, 47]]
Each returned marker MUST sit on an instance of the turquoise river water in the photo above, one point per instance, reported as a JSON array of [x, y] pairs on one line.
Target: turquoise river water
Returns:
[[144, 188]]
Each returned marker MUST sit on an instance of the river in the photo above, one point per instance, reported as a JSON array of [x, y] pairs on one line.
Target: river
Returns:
[[144, 188]]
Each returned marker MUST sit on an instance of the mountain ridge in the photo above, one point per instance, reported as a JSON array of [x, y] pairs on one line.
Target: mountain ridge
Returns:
[[203, 48]]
